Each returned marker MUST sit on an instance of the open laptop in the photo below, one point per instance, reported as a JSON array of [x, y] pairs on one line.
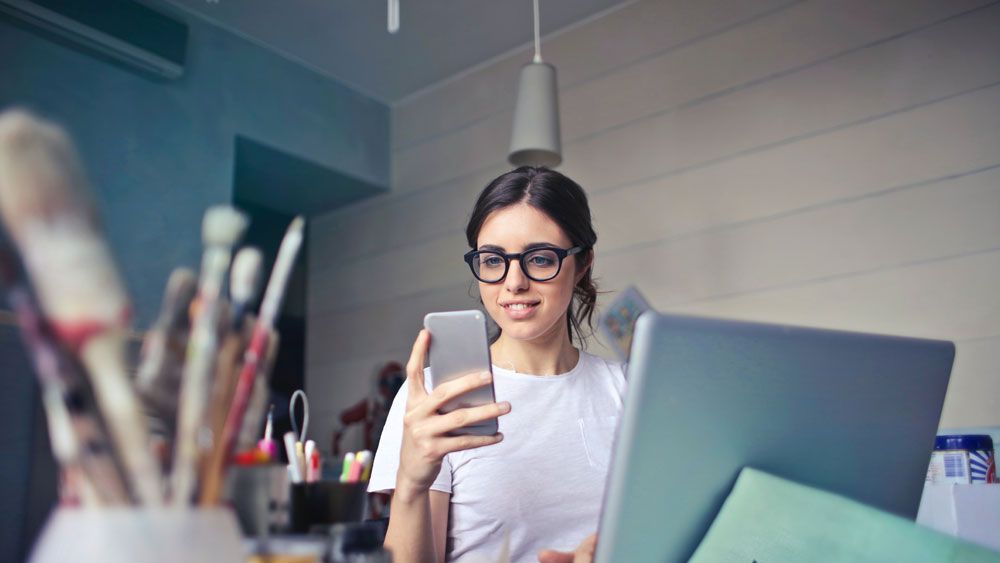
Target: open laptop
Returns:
[[850, 413]]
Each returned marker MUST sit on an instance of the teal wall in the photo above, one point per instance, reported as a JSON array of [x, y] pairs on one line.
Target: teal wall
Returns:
[[158, 153]]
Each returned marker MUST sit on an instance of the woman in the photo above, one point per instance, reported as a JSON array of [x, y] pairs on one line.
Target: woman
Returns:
[[538, 483]]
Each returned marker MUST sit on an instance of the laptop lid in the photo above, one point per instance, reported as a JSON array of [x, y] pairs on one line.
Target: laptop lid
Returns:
[[850, 413]]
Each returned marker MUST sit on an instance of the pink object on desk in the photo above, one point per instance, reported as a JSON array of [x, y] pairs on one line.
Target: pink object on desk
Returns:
[[354, 475], [270, 447]]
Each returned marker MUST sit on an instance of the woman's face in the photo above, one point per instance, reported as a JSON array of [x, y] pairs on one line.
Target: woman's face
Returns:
[[526, 309]]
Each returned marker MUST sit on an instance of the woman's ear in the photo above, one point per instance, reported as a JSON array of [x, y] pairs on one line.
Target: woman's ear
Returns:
[[586, 264]]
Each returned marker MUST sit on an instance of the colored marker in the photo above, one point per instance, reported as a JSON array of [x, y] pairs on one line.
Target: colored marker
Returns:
[[354, 475], [267, 444], [310, 449], [345, 471], [366, 465], [294, 470], [315, 466], [300, 458]]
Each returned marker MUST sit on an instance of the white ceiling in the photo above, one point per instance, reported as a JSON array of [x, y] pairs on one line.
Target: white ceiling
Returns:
[[347, 39]]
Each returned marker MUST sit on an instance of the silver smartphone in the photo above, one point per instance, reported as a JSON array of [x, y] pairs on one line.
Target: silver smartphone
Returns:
[[459, 346]]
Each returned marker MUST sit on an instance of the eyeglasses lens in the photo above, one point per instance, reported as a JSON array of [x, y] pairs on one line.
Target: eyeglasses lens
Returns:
[[489, 266], [541, 264]]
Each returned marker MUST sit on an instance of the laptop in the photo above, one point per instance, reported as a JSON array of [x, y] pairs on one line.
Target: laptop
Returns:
[[854, 414]]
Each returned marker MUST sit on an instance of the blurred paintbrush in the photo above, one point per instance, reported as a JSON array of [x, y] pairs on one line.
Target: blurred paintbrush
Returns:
[[51, 219], [221, 230], [159, 375], [261, 350], [257, 405], [79, 442], [244, 281], [242, 289]]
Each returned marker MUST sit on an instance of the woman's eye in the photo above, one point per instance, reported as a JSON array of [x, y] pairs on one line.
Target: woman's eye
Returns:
[[491, 261], [541, 261]]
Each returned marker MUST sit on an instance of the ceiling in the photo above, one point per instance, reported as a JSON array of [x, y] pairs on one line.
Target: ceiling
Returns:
[[347, 39]]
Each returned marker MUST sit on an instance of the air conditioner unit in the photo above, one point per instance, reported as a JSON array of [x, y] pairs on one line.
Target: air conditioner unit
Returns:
[[123, 30]]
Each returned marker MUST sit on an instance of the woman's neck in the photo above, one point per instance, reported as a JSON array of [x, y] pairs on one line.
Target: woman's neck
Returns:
[[550, 354]]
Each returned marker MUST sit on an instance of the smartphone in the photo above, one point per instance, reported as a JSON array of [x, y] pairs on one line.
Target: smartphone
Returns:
[[459, 347]]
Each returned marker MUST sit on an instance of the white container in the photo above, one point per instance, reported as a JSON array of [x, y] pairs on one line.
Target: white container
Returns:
[[970, 512], [127, 534]]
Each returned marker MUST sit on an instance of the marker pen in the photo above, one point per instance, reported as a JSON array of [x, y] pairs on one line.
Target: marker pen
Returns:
[[345, 470]]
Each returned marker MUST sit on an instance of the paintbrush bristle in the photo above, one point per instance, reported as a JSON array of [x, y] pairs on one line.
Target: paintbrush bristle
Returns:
[[223, 226], [245, 274], [181, 289], [40, 174], [49, 214]]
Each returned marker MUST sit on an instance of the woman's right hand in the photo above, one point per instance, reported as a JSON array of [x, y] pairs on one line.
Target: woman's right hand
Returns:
[[425, 430]]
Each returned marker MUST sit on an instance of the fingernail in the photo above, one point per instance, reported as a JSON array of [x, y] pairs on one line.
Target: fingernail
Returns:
[[499, 437], [485, 376], [505, 407]]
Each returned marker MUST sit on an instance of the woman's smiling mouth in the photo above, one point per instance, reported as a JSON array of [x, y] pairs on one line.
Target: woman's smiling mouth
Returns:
[[519, 309]]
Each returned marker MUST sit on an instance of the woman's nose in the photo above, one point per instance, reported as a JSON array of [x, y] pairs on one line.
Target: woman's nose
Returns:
[[515, 280]]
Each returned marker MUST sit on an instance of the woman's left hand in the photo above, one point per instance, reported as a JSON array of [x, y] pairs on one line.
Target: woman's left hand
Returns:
[[583, 554]]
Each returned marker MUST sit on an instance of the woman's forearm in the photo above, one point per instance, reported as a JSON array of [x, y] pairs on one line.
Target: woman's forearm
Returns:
[[410, 536]]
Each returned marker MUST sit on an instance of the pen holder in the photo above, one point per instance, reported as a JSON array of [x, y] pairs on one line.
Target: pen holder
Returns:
[[323, 503], [129, 534], [259, 495]]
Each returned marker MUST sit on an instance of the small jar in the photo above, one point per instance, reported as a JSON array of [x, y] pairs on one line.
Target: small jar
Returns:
[[963, 459]]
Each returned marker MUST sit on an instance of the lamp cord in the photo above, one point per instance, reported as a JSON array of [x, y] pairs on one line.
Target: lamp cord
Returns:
[[538, 42]]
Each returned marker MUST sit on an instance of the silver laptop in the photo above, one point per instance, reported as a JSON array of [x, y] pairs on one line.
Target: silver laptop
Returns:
[[850, 413]]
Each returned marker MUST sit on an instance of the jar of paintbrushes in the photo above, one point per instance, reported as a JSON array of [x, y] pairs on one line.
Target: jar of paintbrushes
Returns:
[[144, 458]]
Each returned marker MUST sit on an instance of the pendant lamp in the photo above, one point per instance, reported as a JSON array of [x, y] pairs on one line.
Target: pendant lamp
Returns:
[[392, 23], [535, 137]]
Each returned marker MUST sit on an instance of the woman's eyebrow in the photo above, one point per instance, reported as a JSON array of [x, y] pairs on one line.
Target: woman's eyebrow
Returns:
[[535, 245], [527, 247]]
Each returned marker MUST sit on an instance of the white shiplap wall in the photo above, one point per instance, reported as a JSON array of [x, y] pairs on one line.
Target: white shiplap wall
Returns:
[[827, 162]]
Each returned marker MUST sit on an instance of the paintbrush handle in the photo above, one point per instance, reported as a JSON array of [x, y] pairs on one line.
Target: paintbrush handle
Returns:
[[66, 448], [126, 422], [79, 443], [256, 409], [274, 293], [158, 377], [183, 479], [255, 354], [227, 375]]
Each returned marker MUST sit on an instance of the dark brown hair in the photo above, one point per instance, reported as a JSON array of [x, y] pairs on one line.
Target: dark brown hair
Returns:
[[565, 202]]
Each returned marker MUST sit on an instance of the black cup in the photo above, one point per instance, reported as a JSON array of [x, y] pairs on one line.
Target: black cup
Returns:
[[323, 503]]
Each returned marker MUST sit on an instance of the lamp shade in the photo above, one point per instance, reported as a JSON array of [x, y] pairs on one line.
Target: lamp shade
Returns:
[[535, 138]]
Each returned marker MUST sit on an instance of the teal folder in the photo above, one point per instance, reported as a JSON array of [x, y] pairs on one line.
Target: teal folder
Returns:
[[767, 519]]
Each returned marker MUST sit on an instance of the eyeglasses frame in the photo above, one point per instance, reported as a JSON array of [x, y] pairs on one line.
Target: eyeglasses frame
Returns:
[[519, 256]]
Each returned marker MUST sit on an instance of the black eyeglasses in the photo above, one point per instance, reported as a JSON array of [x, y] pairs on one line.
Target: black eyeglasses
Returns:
[[539, 264]]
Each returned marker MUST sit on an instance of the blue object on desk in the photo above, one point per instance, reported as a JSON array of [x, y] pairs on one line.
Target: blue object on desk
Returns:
[[964, 442]]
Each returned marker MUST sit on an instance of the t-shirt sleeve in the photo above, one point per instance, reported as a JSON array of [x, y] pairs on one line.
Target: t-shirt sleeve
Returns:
[[383, 476]]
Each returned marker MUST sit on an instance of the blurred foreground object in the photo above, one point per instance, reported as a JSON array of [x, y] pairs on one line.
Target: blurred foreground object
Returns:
[[47, 210]]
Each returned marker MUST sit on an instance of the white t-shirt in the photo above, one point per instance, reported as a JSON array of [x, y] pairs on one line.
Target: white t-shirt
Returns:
[[542, 486]]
